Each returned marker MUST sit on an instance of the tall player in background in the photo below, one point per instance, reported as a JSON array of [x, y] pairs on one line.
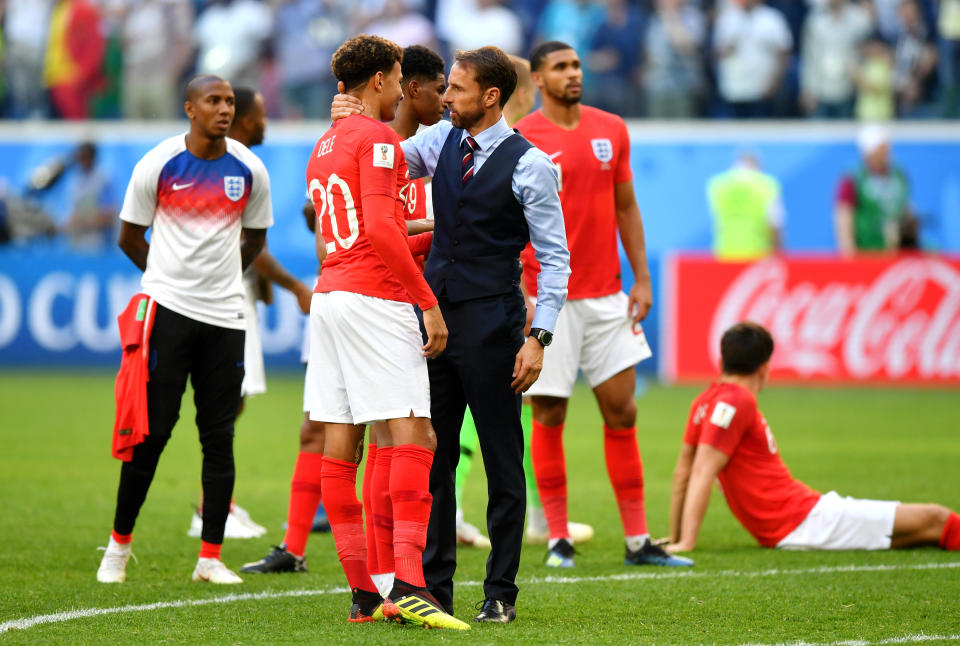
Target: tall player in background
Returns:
[[728, 439], [248, 127], [364, 333], [599, 331], [206, 199]]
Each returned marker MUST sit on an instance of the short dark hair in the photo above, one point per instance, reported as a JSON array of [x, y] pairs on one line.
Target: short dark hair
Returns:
[[493, 68], [243, 98], [359, 58], [421, 63], [745, 347], [541, 51]]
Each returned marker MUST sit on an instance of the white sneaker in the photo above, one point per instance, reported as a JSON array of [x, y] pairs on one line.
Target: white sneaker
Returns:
[[242, 516], [113, 566], [468, 535], [214, 571], [537, 531], [239, 525]]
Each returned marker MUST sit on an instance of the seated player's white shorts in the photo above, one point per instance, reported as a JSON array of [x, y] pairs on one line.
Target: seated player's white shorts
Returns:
[[368, 355], [844, 523], [594, 335], [254, 375]]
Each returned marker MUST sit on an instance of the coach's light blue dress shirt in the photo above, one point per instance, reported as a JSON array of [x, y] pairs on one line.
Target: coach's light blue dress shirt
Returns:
[[535, 185]]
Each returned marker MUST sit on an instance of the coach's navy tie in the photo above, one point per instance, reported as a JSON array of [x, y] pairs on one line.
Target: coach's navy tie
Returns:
[[468, 145]]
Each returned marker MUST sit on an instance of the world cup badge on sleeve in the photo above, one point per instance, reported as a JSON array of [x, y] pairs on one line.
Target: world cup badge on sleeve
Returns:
[[602, 149], [233, 186]]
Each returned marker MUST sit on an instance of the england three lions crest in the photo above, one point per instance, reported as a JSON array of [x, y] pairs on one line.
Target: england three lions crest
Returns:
[[233, 186], [602, 149]]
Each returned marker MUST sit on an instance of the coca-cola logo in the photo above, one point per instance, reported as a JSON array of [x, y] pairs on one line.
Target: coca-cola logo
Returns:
[[904, 322]]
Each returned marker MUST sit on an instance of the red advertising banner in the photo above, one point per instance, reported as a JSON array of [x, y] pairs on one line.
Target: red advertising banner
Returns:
[[892, 320]]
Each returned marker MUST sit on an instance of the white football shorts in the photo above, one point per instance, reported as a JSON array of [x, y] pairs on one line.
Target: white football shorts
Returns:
[[254, 374], [844, 523], [310, 379], [367, 353], [594, 335]]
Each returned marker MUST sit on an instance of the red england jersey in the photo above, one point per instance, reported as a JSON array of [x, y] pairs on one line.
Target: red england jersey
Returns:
[[592, 159], [359, 157], [758, 487]]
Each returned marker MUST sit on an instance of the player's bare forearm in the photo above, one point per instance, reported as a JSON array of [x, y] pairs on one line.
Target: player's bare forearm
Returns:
[[630, 224], [271, 269], [416, 227], [707, 463], [681, 476], [133, 242], [252, 242]]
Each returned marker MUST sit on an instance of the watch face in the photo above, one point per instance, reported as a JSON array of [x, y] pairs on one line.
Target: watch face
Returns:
[[546, 338]]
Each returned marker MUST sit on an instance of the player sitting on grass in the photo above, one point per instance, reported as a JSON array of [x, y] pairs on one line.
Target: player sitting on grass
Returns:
[[728, 438], [364, 335]]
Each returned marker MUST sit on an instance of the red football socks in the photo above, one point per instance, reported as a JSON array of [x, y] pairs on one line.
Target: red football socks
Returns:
[[383, 511], [209, 550], [626, 475], [950, 540], [304, 498], [367, 489], [122, 539], [550, 470], [410, 493], [346, 521]]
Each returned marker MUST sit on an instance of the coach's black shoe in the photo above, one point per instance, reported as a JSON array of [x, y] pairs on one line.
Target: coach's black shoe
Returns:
[[496, 611], [651, 554], [278, 560]]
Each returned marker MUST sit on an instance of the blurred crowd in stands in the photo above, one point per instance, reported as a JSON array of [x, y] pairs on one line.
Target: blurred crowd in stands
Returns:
[[864, 59]]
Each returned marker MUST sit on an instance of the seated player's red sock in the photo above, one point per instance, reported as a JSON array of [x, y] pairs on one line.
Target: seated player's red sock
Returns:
[[121, 539], [626, 475], [305, 491], [950, 540], [383, 511], [410, 493], [210, 550], [372, 565], [550, 470], [346, 521]]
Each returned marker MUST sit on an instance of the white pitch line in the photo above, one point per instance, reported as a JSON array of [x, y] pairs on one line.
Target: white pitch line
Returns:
[[906, 639], [59, 617]]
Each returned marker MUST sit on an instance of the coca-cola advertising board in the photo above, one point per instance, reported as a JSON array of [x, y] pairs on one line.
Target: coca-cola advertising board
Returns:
[[890, 319]]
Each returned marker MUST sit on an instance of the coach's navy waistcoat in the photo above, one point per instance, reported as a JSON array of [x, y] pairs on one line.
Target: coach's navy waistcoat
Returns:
[[479, 229]]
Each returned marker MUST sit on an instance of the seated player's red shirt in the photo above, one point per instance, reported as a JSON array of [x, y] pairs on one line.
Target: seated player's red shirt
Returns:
[[758, 487], [592, 159], [358, 157]]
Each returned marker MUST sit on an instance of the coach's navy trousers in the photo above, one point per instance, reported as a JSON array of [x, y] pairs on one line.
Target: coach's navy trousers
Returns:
[[476, 368]]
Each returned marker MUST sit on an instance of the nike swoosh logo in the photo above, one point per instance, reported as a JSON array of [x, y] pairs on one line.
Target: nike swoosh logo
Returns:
[[555, 155], [180, 187]]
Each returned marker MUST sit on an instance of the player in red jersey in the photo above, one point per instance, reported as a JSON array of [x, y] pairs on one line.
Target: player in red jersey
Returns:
[[364, 333], [727, 438], [423, 83], [599, 329]]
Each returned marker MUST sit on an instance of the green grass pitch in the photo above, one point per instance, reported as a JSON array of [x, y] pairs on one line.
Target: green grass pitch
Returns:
[[58, 485]]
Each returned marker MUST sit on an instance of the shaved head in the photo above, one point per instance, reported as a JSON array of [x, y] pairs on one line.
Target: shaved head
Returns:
[[199, 84]]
